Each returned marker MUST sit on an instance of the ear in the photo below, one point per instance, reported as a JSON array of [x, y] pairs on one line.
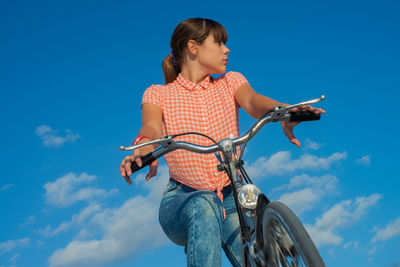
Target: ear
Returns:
[[193, 47]]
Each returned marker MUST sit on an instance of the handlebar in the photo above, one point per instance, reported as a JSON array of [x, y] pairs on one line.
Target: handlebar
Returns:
[[168, 144]]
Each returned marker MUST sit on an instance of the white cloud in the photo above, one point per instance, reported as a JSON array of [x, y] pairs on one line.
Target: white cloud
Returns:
[[50, 137], [390, 231], [306, 198], [372, 250], [341, 215], [326, 182], [365, 160], [30, 220], [5, 187], [13, 259], [312, 145], [127, 230], [300, 201], [64, 191], [350, 244], [13, 244], [75, 221], [282, 163]]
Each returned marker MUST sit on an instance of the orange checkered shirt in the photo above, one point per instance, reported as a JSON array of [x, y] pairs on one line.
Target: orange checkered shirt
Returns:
[[209, 108]]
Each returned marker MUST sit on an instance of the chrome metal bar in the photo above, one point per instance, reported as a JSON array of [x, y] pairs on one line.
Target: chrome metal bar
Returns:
[[127, 148], [309, 102]]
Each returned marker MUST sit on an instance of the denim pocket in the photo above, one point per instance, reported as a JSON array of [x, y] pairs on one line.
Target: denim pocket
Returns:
[[171, 186]]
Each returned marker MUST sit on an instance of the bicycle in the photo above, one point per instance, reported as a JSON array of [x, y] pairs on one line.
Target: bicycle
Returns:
[[271, 233]]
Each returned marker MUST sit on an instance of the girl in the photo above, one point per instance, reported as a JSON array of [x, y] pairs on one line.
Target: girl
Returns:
[[198, 209]]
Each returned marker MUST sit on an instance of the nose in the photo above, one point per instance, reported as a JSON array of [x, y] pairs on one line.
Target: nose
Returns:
[[226, 50]]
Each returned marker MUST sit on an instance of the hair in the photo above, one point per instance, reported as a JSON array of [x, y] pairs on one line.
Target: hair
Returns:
[[197, 29]]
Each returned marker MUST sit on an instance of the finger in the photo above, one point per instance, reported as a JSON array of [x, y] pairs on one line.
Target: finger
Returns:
[[317, 110], [292, 138], [301, 108], [128, 168], [128, 180], [153, 170], [289, 125], [288, 131], [296, 142], [137, 158], [320, 110], [122, 169]]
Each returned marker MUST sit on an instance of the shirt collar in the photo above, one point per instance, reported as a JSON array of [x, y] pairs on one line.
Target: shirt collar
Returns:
[[191, 85]]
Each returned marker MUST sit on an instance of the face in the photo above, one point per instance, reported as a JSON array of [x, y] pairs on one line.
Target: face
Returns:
[[213, 56]]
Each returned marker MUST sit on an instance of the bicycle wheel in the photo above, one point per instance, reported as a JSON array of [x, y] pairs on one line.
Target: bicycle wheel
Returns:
[[284, 240]]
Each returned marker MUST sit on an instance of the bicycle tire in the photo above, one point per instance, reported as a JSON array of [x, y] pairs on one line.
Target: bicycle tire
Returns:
[[283, 240]]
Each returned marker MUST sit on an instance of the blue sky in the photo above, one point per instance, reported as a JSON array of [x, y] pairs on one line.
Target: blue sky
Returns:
[[72, 74]]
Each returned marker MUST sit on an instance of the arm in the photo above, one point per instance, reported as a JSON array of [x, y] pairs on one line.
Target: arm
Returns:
[[257, 105], [151, 127], [151, 122], [254, 104]]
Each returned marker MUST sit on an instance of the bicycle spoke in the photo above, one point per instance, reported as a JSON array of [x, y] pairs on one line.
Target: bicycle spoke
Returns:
[[284, 251], [285, 238]]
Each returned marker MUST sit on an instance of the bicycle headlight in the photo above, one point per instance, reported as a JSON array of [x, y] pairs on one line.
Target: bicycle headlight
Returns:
[[248, 195]]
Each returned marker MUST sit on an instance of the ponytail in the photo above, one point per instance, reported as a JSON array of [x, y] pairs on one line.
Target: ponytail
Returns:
[[169, 70]]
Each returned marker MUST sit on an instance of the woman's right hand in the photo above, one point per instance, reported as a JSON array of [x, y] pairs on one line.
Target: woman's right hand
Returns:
[[127, 162], [151, 126]]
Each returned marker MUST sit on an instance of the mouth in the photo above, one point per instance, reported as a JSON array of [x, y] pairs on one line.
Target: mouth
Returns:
[[225, 61]]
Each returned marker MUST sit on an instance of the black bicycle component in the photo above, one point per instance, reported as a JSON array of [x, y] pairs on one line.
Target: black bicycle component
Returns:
[[284, 240], [146, 160], [304, 116]]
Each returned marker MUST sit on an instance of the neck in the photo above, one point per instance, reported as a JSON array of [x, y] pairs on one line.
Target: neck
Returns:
[[194, 74]]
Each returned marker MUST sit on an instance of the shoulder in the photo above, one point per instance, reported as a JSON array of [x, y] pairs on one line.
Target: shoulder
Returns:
[[230, 75], [159, 89], [233, 79], [233, 75], [155, 94], [155, 88]]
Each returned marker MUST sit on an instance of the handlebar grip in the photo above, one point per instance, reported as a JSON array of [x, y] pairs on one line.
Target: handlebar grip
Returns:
[[146, 160], [304, 116]]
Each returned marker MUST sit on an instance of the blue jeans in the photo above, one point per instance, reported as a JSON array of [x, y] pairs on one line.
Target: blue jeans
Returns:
[[194, 218]]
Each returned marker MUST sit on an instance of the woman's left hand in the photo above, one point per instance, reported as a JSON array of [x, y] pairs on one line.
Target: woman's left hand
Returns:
[[288, 126]]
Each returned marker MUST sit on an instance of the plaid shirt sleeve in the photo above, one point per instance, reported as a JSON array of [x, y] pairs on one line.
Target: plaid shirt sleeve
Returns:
[[235, 80], [153, 95]]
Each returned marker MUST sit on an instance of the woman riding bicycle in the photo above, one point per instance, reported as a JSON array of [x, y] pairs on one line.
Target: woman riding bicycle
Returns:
[[198, 209]]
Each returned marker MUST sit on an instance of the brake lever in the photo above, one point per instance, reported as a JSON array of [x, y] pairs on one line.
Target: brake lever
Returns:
[[164, 142], [309, 102]]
